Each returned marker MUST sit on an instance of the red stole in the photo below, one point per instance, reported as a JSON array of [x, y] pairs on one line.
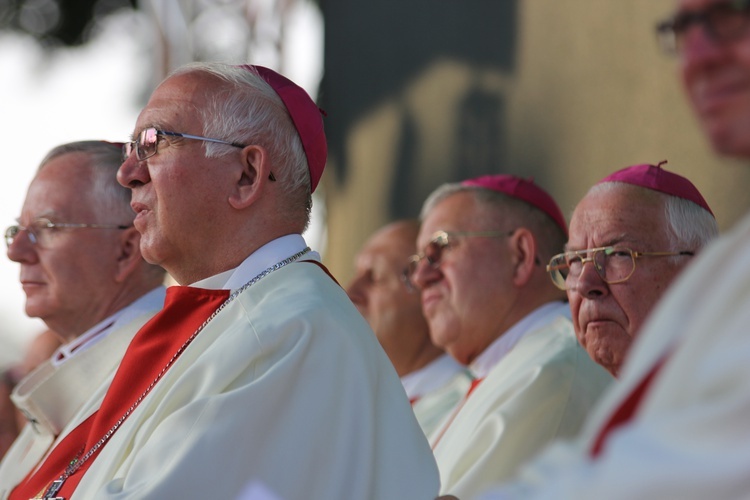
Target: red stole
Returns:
[[185, 310], [626, 411]]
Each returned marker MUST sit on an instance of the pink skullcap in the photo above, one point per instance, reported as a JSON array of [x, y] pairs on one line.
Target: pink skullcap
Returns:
[[658, 179], [524, 190], [306, 117]]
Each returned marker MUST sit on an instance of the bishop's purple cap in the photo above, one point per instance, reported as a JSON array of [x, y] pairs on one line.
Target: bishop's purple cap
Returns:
[[656, 178], [306, 116], [524, 190]]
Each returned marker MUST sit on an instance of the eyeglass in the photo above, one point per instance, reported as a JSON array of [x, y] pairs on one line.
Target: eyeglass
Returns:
[[146, 144], [441, 241], [40, 231], [613, 264], [723, 22]]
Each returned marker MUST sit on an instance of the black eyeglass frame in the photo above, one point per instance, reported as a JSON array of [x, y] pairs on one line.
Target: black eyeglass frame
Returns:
[[671, 31]]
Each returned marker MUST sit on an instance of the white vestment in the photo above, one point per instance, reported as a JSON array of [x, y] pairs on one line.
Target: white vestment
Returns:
[[687, 439], [286, 388], [541, 389], [436, 389], [55, 392]]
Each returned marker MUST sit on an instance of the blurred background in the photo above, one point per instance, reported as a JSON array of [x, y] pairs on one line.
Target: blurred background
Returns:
[[417, 93]]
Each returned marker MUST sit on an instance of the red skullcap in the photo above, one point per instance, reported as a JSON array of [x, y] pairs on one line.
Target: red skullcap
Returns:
[[658, 179], [306, 117], [524, 190]]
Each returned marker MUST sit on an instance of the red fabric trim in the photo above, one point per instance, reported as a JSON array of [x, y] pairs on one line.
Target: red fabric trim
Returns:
[[324, 268], [626, 411], [185, 310], [474, 384]]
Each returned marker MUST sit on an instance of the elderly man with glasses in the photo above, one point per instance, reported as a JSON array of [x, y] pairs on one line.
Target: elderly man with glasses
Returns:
[[434, 382], [638, 228], [676, 424], [485, 292], [258, 371], [83, 275]]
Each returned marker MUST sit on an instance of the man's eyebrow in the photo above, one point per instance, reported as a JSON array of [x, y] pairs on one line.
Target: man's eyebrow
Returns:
[[609, 242]]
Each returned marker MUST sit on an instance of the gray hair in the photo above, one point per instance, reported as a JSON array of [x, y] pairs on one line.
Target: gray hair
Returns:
[[249, 109], [105, 159], [550, 237], [691, 227], [112, 198]]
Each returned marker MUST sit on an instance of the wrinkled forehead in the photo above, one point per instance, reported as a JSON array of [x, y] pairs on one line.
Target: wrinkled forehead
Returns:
[[615, 212], [177, 101], [458, 212]]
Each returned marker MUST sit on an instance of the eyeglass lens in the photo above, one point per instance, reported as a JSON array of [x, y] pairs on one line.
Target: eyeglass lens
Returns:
[[612, 265], [34, 232], [144, 145], [433, 253]]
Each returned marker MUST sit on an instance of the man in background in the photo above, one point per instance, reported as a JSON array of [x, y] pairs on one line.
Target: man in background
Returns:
[[638, 228], [434, 381], [676, 423], [490, 304], [83, 275]]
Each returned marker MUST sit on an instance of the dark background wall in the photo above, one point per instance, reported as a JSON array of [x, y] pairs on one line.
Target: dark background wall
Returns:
[[424, 92]]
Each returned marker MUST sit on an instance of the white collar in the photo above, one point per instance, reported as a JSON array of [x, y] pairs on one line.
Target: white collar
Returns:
[[149, 301], [483, 364], [431, 377], [266, 256]]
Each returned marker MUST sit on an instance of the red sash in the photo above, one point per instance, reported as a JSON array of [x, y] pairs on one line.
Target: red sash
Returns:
[[626, 410], [152, 348]]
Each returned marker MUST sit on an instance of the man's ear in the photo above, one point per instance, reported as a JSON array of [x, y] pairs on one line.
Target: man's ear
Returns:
[[255, 172], [128, 253], [523, 248]]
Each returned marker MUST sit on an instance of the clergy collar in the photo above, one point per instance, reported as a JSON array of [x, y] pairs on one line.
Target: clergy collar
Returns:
[[266, 256], [496, 351], [432, 376], [152, 300]]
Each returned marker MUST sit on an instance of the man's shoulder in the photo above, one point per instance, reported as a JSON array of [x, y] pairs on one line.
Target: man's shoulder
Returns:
[[549, 352]]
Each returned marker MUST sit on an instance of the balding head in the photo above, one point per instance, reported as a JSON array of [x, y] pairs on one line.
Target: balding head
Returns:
[[382, 296]]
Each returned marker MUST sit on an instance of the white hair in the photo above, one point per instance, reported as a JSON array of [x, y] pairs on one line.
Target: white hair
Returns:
[[691, 227], [105, 159], [550, 237], [249, 109]]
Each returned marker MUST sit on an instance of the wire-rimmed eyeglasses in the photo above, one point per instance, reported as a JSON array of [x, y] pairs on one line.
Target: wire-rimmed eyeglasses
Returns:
[[147, 143], [722, 22], [438, 244], [40, 230], [612, 264]]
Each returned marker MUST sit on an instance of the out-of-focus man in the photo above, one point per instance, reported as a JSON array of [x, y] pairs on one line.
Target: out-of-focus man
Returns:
[[638, 228], [675, 424], [434, 381]]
